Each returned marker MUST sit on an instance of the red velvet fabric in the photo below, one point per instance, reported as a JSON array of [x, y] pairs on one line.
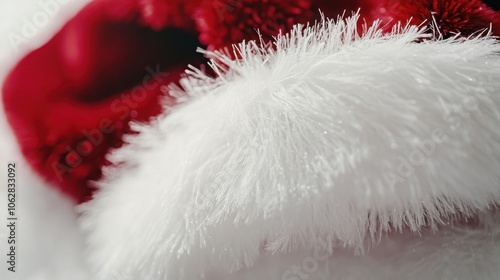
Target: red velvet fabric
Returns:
[[222, 23], [70, 101], [451, 17]]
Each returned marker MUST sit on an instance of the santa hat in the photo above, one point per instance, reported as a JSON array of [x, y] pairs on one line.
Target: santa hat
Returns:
[[83, 94], [295, 156], [329, 139]]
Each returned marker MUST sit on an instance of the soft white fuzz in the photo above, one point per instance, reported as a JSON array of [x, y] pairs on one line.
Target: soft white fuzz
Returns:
[[331, 138]]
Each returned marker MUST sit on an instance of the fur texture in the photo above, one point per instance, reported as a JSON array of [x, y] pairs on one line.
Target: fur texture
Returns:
[[329, 139]]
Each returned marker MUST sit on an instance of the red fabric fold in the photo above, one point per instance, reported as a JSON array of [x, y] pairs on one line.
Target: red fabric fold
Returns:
[[70, 101]]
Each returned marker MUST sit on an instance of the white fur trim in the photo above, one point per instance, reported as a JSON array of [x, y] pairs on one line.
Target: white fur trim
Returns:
[[293, 146]]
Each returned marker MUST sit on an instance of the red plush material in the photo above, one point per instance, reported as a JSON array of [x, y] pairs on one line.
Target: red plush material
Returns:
[[159, 14], [70, 101], [222, 23], [451, 17]]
